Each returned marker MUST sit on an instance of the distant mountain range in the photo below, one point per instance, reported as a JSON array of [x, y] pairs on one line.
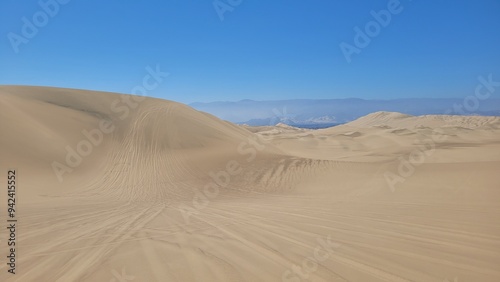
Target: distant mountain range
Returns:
[[329, 112]]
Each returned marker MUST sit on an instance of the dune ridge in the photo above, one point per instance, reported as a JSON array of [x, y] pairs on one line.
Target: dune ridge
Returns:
[[393, 119], [174, 194]]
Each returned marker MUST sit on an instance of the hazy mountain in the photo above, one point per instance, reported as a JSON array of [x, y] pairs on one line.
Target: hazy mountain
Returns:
[[334, 111]]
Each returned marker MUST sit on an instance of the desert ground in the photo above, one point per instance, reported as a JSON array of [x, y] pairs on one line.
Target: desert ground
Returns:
[[115, 187]]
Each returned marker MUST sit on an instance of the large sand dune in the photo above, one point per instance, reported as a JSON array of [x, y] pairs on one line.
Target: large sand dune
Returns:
[[120, 188]]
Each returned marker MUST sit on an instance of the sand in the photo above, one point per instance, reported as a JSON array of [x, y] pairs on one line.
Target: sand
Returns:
[[162, 192]]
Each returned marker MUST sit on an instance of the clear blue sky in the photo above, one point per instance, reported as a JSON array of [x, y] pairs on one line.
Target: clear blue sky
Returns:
[[262, 50]]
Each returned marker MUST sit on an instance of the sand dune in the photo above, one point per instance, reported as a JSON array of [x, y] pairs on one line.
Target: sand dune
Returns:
[[166, 193], [392, 119]]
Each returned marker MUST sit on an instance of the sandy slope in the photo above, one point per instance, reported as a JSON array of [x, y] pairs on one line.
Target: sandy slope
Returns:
[[172, 194]]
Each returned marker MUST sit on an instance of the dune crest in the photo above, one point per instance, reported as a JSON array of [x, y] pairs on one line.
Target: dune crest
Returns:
[[399, 120], [161, 192]]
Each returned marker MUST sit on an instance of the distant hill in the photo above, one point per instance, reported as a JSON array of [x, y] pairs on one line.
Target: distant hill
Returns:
[[321, 113]]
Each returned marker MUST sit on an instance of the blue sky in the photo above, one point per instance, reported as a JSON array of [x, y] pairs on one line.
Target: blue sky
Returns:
[[262, 50]]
